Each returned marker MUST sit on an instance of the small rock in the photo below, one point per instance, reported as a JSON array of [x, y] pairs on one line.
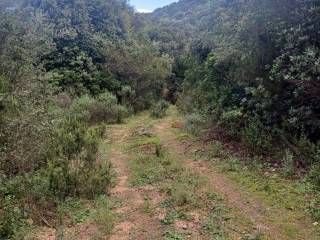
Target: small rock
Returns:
[[315, 224]]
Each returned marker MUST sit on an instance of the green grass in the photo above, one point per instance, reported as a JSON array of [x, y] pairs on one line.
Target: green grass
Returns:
[[186, 189], [152, 164], [172, 235], [75, 210], [145, 170], [260, 180], [103, 216], [215, 223], [270, 186], [174, 215]]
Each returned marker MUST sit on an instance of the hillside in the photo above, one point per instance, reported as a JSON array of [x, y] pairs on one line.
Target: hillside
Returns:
[[200, 120]]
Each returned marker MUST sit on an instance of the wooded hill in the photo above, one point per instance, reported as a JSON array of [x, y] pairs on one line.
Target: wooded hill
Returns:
[[250, 66], [69, 67]]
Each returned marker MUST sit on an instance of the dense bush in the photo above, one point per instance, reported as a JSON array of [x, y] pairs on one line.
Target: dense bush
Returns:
[[72, 170], [251, 67], [72, 163]]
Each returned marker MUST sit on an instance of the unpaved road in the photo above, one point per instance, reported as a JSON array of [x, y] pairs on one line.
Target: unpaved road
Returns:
[[137, 225]]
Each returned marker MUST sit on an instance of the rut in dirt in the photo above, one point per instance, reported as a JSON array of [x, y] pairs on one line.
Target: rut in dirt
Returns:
[[249, 207], [132, 222]]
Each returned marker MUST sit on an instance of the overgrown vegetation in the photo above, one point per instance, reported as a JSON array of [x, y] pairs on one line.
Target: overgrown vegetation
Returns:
[[159, 109], [250, 69], [64, 73]]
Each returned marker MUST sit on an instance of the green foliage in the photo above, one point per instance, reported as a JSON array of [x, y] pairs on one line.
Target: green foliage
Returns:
[[313, 208], [146, 170], [103, 216], [75, 210], [314, 177], [194, 123], [256, 135], [172, 216], [73, 170], [214, 225], [104, 108], [173, 236], [217, 149], [288, 163], [231, 121], [12, 218], [255, 73], [159, 109], [307, 152]]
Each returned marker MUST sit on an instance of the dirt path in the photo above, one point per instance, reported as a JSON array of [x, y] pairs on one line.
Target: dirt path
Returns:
[[259, 213], [132, 222], [165, 209]]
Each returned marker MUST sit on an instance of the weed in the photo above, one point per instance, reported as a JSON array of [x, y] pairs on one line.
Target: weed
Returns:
[[12, 219], [183, 189], [145, 170], [172, 216], [194, 123], [217, 149], [181, 194], [288, 163], [168, 203], [255, 236], [314, 177], [146, 206], [172, 236], [212, 196], [232, 164], [314, 208], [214, 225], [143, 141], [149, 168], [181, 136], [103, 215], [75, 210]]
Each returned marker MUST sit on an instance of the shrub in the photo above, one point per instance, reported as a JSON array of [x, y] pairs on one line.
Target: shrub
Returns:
[[82, 108], [104, 108], [217, 149], [72, 168], [308, 153], [95, 181], [314, 177], [288, 163], [231, 121], [314, 209], [194, 123], [256, 135], [11, 218], [103, 216], [123, 112], [181, 194], [159, 109]]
